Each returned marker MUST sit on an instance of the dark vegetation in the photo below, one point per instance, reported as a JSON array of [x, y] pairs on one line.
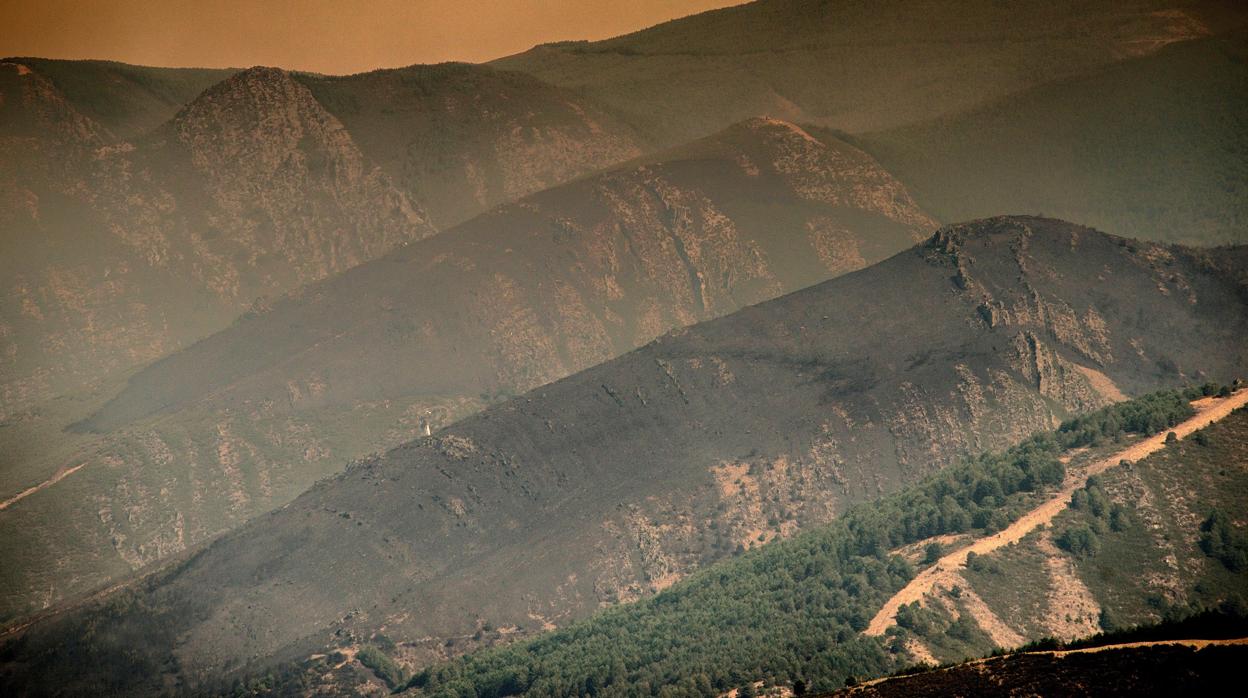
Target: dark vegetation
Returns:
[[1153, 670], [1146, 416], [381, 665], [794, 608], [1221, 540], [1227, 621], [1082, 539]]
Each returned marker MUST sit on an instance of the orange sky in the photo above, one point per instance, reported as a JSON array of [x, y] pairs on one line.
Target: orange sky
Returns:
[[342, 36]]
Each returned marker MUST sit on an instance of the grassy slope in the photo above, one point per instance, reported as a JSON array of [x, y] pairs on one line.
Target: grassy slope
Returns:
[[1153, 148]]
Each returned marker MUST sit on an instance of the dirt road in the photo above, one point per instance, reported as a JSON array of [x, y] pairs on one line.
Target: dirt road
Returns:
[[60, 475], [944, 574]]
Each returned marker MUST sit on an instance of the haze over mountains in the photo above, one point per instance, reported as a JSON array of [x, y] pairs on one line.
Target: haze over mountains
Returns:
[[860, 65], [1153, 147], [251, 190], [524, 295], [587, 491], [582, 320]]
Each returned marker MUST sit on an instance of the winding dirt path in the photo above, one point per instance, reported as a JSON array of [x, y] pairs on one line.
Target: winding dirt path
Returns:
[[945, 571], [1193, 643], [60, 475]]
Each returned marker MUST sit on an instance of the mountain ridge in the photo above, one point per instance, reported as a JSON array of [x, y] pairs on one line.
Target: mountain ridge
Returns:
[[707, 423], [526, 294]]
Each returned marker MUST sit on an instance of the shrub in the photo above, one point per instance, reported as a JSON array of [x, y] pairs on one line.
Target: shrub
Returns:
[[381, 665], [1219, 540], [1079, 540]]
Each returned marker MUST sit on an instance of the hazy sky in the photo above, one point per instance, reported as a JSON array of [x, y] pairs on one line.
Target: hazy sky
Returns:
[[329, 36]]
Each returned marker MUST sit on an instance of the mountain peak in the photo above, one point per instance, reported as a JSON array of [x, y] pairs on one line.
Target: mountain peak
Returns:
[[248, 95]]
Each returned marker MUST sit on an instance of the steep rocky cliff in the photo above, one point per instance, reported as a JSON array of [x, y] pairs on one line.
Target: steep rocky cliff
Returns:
[[595, 489]]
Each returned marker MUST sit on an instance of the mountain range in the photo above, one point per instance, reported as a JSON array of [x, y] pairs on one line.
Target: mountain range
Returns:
[[1151, 147], [252, 189], [526, 294], [759, 424], [513, 378], [857, 66]]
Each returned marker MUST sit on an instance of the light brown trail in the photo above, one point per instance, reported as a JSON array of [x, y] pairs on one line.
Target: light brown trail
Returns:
[[945, 572], [1193, 643], [60, 475]]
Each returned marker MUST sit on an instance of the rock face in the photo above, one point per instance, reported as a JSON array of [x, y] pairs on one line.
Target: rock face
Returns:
[[586, 491], [287, 191], [524, 295]]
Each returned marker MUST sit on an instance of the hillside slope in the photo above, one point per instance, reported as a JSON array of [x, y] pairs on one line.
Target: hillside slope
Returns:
[[462, 138], [126, 100], [120, 250], [1162, 669], [797, 609], [116, 253], [1174, 519], [857, 66], [1153, 147], [767, 421], [247, 419]]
